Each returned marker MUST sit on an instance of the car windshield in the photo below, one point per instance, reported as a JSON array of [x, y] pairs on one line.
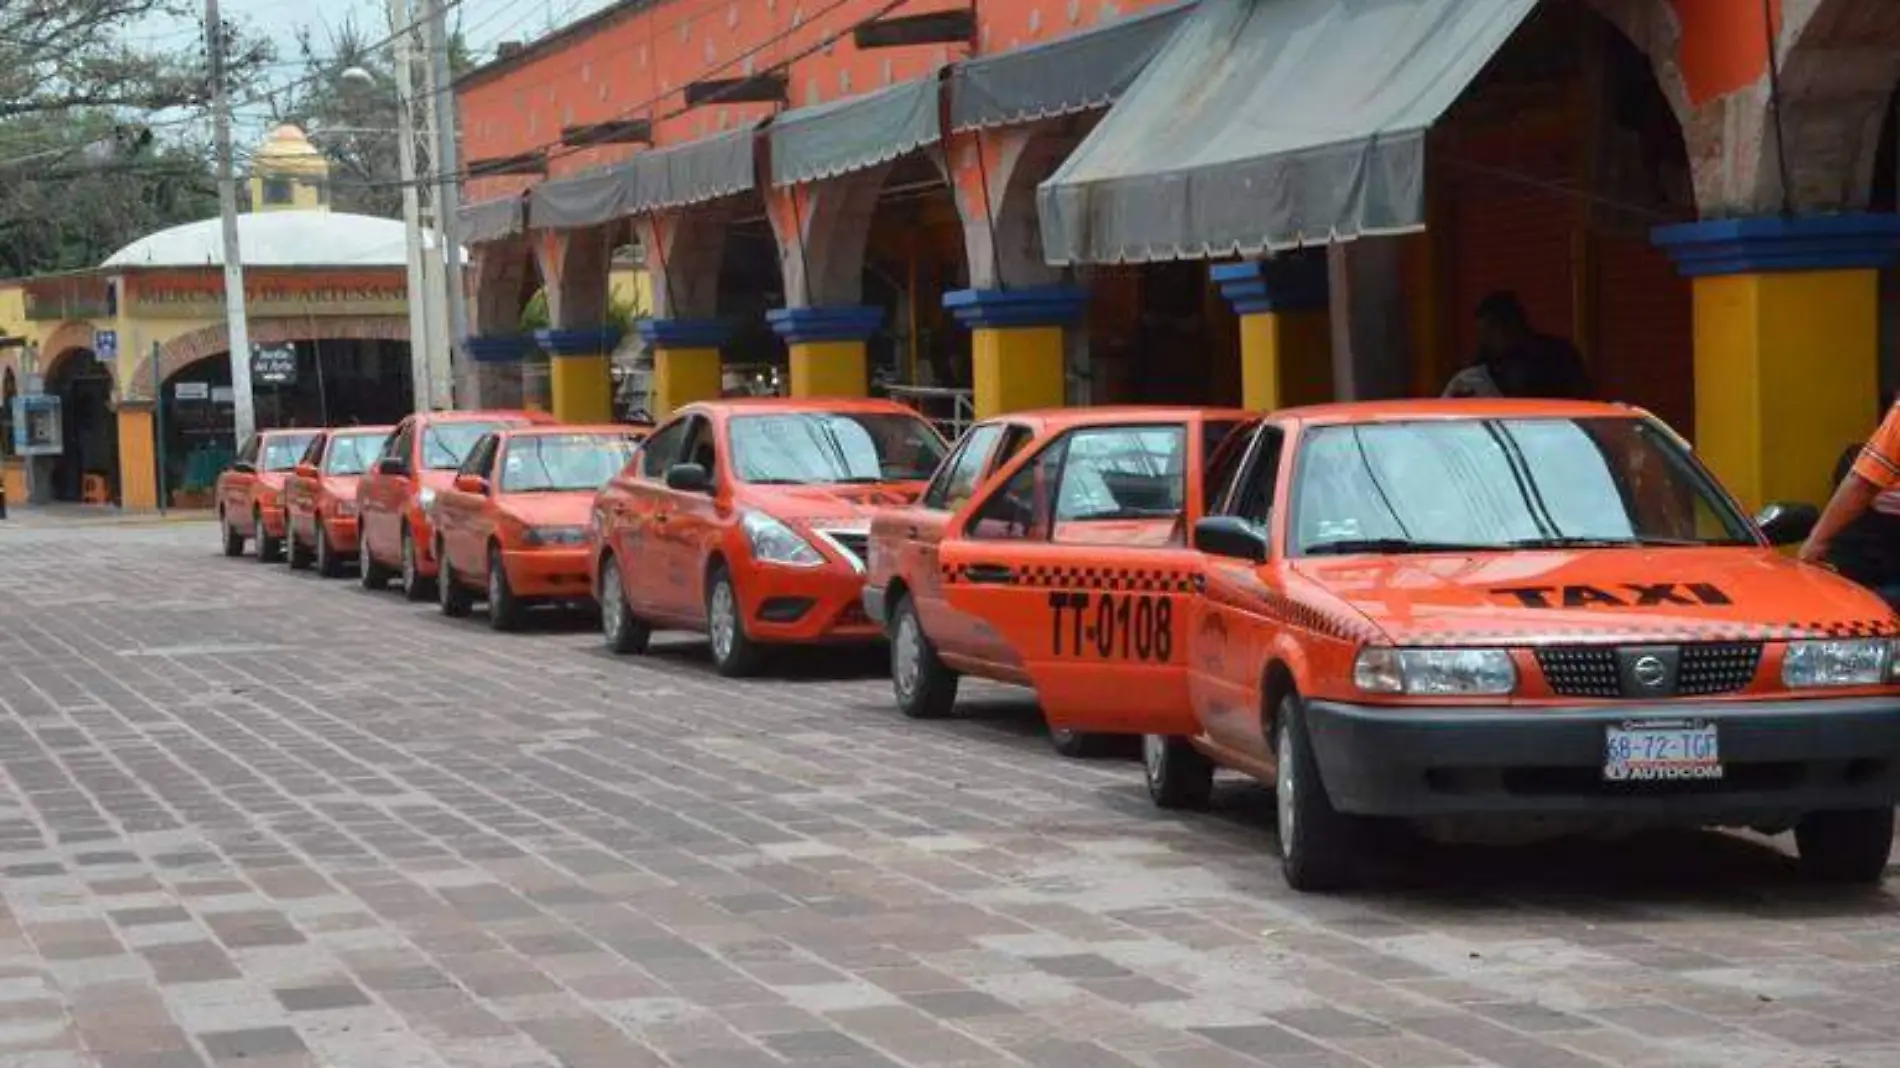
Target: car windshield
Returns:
[[282, 451], [351, 454], [445, 445], [1494, 484], [795, 448], [554, 463]]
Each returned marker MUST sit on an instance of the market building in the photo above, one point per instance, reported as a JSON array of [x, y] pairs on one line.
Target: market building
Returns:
[[133, 355], [1034, 202]]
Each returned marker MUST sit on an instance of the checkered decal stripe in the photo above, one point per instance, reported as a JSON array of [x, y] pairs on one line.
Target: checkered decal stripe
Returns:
[[1296, 614], [1119, 579]]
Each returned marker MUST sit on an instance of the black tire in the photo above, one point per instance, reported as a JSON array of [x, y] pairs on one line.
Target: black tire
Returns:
[[414, 586], [1846, 847], [329, 565], [1319, 846], [298, 555], [1082, 745], [924, 687], [269, 549], [505, 611], [1179, 775], [734, 654], [374, 576], [625, 632], [452, 596], [233, 540]]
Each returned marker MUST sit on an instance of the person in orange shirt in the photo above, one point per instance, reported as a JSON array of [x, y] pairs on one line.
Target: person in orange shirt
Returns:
[[1874, 472]]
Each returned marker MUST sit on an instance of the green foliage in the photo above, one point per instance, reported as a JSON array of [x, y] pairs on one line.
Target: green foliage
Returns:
[[622, 312]]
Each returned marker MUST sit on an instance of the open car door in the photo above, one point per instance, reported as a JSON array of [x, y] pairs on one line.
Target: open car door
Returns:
[[1077, 557]]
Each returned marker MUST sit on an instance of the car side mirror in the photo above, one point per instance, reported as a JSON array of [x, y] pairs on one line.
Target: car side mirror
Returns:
[[1228, 536], [475, 484], [306, 471], [393, 467], [1786, 523], [244, 467], [688, 478]]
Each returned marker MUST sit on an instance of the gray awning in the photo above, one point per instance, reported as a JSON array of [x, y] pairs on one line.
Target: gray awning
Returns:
[[695, 172], [854, 133], [585, 199], [1270, 124], [491, 220], [1079, 72]]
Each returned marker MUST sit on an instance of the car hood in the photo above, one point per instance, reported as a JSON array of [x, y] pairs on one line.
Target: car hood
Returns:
[[821, 503], [549, 509], [1547, 597]]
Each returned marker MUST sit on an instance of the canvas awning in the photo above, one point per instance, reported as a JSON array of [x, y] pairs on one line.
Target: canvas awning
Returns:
[[491, 220], [1270, 124], [585, 199], [854, 133], [1080, 72], [692, 173]]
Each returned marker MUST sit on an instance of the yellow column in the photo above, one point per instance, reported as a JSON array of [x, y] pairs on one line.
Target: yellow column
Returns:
[[138, 459], [827, 348], [580, 373], [1286, 344], [1018, 359], [682, 376], [1787, 321]]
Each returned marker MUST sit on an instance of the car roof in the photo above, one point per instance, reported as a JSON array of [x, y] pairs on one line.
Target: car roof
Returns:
[[359, 431], [480, 416], [748, 405], [1451, 409], [548, 429], [1108, 415], [291, 432]]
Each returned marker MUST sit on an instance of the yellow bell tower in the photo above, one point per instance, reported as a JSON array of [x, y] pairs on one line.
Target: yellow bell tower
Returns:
[[289, 174]]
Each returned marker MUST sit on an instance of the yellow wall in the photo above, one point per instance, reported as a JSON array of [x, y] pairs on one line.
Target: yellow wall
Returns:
[[632, 286]]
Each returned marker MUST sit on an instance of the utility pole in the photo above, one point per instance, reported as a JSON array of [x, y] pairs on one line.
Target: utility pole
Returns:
[[448, 197], [423, 342], [245, 415]]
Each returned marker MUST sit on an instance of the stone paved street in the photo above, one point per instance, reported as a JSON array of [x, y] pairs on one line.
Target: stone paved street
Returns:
[[252, 817]]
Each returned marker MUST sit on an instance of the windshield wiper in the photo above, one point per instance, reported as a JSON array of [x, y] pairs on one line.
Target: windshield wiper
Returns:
[[1396, 545], [1640, 542]]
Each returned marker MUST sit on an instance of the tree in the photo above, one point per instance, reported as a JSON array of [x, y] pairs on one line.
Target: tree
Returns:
[[73, 55]]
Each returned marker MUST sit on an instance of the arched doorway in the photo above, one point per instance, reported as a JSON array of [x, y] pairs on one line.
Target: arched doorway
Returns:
[[89, 454]]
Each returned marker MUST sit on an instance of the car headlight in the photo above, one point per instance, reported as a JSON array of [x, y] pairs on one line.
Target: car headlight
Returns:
[[1435, 672], [427, 497], [554, 535], [775, 543], [1855, 662]]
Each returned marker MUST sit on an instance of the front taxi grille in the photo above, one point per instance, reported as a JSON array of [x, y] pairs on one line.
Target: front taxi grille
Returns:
[[1704, 670], [855, 544]]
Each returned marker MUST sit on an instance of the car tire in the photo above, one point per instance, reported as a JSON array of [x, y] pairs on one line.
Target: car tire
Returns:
[[269, 549], [296, 553], [452, 596], [233, 540], [1319, 845], [1849, 847], [734, 654], [329, 565], [505, 610], [924, 687], [374, 576], [625, 632], [414, 586], [1179, 775], [1084, 745]]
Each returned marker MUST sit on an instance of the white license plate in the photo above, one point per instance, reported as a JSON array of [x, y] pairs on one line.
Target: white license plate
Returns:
[[1660, 750]]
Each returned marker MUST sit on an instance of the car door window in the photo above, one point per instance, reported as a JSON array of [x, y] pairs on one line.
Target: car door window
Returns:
[[1014, 438], [699, 448], [480, 458], [398, 445], [248, 454], [1252, 497], [964, 472], [1123, 486], [1022, 508], [662, 450], [314, 454]]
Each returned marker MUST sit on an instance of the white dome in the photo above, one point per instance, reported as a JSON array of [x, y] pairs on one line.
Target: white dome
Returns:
[[277, 239]]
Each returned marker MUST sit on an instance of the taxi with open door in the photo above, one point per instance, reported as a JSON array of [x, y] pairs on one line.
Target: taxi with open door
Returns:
[[512, 529], [1121, 485], [320, 497], [250, 492], [1482, 618], [747, 519], [395, 534]]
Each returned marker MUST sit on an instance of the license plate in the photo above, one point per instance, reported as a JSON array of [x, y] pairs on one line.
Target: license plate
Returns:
[[1660, 750]]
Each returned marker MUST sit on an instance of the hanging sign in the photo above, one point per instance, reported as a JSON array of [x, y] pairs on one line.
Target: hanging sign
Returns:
[[274, 365]]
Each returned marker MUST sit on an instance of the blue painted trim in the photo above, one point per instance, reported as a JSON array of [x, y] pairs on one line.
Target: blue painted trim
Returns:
[[1003, 308], [850, 322], [684, 333], [507, 349], [1773, 244], [1296, 283], [598, 341]]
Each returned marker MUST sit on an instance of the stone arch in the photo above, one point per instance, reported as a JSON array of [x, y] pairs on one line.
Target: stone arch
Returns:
[[504, 276], [188, 348], [67, 339], [576, 265], [1840, 61], [995, 175]]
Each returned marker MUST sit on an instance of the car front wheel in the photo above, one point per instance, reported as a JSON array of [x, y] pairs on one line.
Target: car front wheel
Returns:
[[414, 586], [505, 610], [734, 654], [1319, 846], [1846, 847], [925, 688]]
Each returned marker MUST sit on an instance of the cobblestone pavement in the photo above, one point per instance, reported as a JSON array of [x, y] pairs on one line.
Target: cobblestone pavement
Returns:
[[252, 817]]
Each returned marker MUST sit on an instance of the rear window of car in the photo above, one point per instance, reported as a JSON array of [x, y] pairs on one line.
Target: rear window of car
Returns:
[[282, 451]]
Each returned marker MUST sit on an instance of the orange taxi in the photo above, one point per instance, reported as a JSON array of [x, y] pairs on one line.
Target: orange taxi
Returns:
[[747, 520], [320, 497], [1136, 478], [249, 492], [393, 498], [1482, 617], [514, 523]]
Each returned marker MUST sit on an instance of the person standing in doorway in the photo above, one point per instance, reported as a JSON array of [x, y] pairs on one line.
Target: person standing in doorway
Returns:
[[1516, 361], [1858, 533]]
